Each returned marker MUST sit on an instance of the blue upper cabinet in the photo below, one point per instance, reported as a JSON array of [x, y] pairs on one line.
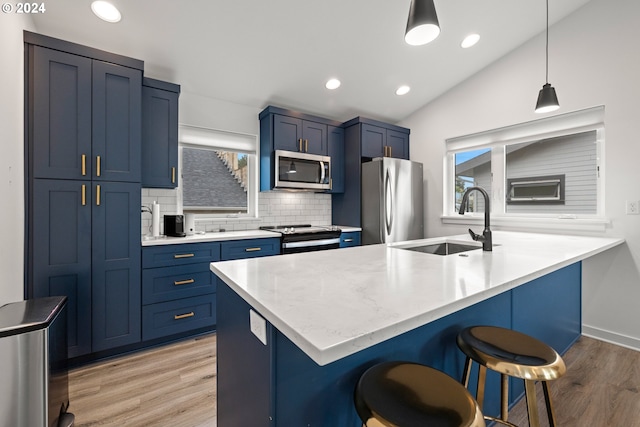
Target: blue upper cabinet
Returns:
[[381, 141], [117, 110], [159, 134], [86, 117], [336, 152], [60, 101], [298, 135]]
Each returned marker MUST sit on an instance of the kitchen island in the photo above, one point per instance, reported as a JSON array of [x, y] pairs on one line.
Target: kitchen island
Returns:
[[320, 319]]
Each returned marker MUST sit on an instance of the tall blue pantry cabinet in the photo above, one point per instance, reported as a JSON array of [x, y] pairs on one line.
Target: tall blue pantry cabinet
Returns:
[[83, 157]]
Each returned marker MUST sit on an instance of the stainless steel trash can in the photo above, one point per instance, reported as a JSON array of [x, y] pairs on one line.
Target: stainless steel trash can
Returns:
[[34, 386]]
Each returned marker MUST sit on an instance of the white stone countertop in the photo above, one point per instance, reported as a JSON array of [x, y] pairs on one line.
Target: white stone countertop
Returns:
[[220, 236], [334, 303], [210, 237]]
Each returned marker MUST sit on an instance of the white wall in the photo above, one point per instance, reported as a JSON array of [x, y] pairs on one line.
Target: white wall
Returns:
[[593, 60], [12, 159]]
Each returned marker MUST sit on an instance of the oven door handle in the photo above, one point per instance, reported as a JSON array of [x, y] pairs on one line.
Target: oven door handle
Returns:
[[310, 243]]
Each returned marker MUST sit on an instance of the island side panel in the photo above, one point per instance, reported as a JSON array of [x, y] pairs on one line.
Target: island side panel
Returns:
[[549, 309], [244, 365], [311, 395]]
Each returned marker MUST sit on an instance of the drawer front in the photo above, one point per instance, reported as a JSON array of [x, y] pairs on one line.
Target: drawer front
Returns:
[[253, 248], [173, 317], [350, 239], [189, 253], [183, 281]]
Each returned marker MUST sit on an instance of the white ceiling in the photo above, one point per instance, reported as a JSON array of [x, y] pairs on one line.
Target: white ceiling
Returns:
[[281, 52]]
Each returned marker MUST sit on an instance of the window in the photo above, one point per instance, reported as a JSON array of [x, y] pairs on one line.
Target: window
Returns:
[[542, 190], [546, 169], [217, 172]]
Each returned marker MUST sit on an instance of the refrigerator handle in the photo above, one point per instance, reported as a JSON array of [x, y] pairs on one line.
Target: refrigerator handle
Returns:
[[388, 204]]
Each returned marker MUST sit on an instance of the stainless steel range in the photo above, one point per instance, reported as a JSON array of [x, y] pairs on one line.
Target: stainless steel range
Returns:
[[306, 237]]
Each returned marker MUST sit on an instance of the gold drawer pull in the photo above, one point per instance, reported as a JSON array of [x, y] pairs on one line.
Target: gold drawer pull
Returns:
[[183, 316], [177, 256], [348, 240], [253, 249], [183, 282]]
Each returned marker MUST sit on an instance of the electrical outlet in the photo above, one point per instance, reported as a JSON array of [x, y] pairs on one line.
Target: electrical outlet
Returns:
[[632, 207], [258, 326]]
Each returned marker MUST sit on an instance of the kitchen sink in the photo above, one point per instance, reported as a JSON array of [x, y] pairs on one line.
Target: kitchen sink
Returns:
[[441, 248]]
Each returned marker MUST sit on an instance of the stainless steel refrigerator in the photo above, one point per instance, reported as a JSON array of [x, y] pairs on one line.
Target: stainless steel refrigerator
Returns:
[[392, 201]]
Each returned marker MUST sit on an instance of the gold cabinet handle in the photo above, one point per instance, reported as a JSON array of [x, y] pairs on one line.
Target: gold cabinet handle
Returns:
[[184, 316], [330, 183], [84, 164], [183, 282], [173, 175], [178, 256], [98, 195], [84, 195], [306, 145], [390, 151], [252, 249], [300, 144], [97, 165]]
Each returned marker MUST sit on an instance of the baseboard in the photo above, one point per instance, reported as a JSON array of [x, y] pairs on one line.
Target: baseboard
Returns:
[[611, 337]]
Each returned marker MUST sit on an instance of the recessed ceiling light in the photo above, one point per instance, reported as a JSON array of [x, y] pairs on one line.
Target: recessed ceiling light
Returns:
[[403, 90], [332, 84], [470, 40], [106, 11]]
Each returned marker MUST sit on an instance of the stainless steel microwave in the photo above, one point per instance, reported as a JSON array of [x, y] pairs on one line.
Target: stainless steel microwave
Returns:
[[302, 171]]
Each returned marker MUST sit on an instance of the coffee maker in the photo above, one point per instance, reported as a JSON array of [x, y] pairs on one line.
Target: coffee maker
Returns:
[[174, 225]]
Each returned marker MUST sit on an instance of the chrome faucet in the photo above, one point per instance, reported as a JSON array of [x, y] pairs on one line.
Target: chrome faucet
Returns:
[[487, 243]]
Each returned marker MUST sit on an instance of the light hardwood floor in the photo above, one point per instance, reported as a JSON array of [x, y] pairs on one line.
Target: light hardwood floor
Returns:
[[175, 386]]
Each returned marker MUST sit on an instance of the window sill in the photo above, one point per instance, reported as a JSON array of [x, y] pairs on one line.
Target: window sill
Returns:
[[530, 223]]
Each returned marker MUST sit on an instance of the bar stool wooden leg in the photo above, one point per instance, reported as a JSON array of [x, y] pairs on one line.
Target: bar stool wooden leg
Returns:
[[532, 404], [547, 400]]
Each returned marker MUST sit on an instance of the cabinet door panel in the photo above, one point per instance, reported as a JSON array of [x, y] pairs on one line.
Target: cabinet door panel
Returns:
[[287, 132], [60, 99], [314, 136], [116, 291], [398, 143], [117, 109], [335, 147], [61, 248], [374, 138], [159, 138]]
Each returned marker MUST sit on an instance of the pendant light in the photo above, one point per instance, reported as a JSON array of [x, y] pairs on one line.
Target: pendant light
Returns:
[[547, 99], [422, 25]]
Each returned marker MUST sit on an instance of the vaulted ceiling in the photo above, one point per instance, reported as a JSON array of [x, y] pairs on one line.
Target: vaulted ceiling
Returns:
[[281, 52]]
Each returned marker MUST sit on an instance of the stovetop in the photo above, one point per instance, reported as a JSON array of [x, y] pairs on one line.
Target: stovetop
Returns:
[[301, 228]]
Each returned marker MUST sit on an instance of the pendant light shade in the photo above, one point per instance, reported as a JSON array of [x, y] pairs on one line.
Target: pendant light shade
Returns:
[[547, 98], [422, 25]]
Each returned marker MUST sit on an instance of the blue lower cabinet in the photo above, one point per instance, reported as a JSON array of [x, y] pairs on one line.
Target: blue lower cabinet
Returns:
[[250, 248], [190, 253], [174, 317], [351, 238], [170, 283]]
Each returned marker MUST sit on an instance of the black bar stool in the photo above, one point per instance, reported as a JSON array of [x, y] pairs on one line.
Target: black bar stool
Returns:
[[514, 354], [404, 394]]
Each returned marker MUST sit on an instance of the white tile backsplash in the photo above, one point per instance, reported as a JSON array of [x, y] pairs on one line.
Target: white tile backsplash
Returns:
[[274, 208]]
